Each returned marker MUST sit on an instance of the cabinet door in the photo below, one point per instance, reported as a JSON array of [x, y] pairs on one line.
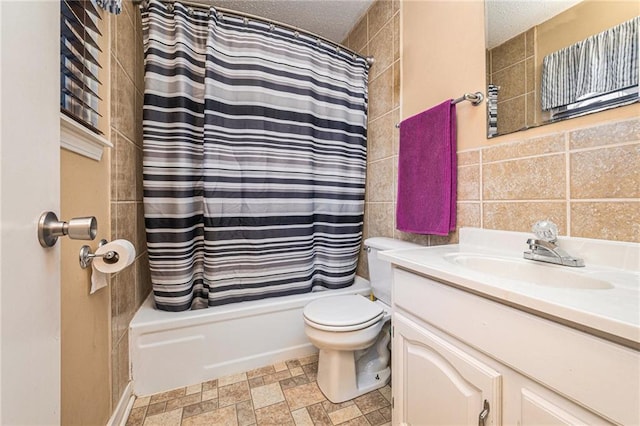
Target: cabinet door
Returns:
[[437, 383]]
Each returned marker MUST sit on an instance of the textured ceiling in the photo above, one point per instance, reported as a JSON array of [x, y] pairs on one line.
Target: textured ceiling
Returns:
[[508, 18], [331, 19]]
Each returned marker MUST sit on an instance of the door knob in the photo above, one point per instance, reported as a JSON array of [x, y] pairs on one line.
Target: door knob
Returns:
[[78, 228]]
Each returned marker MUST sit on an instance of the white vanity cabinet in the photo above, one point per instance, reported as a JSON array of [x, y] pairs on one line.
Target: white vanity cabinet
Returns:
[[453, 350]]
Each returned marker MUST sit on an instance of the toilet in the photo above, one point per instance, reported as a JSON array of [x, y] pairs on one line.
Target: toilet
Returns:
[[352, 332]]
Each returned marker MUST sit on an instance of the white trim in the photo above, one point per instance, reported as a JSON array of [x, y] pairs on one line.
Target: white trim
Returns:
[[77, 138], [121, 413]]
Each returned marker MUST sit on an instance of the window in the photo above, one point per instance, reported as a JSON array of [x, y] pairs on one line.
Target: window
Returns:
[[80, 68]]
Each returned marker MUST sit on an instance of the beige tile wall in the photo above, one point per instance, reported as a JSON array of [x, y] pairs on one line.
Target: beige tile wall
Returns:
[[129, 287], [587, 180], [512, 67], [378, 34]]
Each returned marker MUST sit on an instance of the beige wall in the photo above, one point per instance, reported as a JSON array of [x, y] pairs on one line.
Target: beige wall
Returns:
[[581, 21], [95, 350], [443, 56], [85, 393], [131, 286], [582, 173]]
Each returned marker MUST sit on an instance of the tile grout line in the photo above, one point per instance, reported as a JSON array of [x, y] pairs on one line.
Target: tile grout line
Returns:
[[604, 146], [521, 201], [481, 183], [566, 149], [605, 200], [526, 157], [567, 182]]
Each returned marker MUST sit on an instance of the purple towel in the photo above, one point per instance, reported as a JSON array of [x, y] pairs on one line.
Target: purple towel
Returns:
[[427, 172]]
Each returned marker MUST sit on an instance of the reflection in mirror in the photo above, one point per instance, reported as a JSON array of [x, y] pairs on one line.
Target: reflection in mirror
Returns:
[[550, 60]]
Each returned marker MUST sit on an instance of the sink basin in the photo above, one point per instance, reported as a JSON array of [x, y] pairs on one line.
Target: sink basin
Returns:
[[528, 271]]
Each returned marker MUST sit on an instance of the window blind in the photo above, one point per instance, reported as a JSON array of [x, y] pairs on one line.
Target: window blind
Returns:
[[80, 62]]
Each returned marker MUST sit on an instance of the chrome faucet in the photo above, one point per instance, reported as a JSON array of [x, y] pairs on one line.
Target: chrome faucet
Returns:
[[545, 249]]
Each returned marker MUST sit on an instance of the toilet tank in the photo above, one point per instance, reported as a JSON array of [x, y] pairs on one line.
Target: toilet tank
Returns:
[[380, 270]]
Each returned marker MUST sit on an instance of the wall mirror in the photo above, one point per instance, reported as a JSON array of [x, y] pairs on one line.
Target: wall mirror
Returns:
[[551, 60]]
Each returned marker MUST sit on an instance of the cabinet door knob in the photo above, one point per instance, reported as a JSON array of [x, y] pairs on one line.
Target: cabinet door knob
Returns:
[[484, 413]]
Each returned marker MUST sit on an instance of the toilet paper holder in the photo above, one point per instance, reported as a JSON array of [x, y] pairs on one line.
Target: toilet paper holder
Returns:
[[86, 256]]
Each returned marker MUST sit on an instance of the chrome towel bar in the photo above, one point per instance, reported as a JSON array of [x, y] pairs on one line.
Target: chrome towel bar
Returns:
[[475, 99]]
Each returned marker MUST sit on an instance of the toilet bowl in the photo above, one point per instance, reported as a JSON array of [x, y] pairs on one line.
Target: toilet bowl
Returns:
[[346, 340], [353, 333]]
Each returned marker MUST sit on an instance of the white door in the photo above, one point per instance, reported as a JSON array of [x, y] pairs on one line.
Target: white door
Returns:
[[437, 383], [29, 185]]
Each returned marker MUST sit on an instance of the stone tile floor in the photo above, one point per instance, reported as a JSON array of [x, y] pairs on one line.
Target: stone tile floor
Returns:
[[279, 394]]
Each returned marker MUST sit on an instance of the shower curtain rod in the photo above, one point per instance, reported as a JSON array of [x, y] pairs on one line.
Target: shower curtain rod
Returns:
[[370, 59]]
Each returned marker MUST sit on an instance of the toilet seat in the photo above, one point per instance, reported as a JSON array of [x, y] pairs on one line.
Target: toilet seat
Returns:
[[342, 313]]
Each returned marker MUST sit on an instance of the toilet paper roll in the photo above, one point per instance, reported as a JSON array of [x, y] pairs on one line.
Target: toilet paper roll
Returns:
[[100, 269], [126, 252]]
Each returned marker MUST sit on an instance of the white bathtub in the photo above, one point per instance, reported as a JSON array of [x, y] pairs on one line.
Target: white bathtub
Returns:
[[174, 349]]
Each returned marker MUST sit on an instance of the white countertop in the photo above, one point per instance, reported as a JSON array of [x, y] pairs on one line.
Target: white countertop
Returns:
[[614, 311]]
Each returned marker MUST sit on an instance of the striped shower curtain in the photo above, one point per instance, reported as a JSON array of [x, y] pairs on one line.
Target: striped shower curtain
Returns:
[[254, 158]]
